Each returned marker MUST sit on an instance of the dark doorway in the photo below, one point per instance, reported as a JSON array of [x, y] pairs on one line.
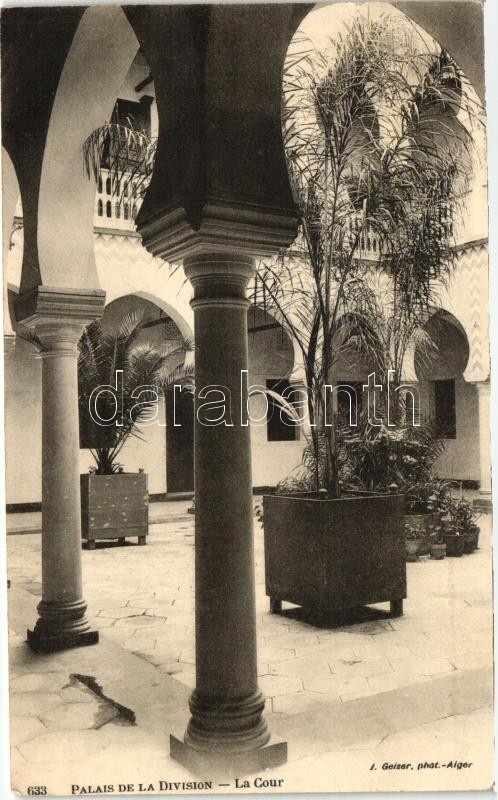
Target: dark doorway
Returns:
[[280, 427], [180, 442], [445, 408], [349, 400]]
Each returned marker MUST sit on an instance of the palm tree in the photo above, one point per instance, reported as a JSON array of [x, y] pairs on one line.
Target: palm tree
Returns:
[[371, 158], [151, 369]]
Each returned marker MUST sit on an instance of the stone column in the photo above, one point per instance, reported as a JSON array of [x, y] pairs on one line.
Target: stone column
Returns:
[[483, 392], [227, 728], [58, 320]]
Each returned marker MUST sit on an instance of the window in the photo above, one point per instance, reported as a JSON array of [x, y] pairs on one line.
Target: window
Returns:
[[128, 112], [108, 209], [100, 208], [279, 426], [444, 408]]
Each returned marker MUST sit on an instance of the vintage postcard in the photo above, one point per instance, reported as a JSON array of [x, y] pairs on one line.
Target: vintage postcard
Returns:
[[247, 398]]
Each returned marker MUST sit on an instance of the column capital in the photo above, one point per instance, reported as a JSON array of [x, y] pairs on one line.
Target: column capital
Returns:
[[58, 315], [224, 227], [476, 374], [219, 277]]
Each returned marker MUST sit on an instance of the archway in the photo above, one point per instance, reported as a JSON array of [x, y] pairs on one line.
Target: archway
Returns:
[[320, 32], [98, 61], [462, 35], [446, 398], [164, 450]]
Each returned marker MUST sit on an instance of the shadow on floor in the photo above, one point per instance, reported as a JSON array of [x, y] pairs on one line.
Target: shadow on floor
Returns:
[[105, 544], [337, 618]]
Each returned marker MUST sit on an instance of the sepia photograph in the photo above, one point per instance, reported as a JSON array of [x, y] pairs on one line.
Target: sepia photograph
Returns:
[[248, 503]]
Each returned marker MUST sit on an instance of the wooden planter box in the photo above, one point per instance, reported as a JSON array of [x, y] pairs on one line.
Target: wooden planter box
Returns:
[[327, 555], [114, 507]]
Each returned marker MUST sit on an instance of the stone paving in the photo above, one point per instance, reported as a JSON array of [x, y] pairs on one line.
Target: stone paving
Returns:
[[340, 696]]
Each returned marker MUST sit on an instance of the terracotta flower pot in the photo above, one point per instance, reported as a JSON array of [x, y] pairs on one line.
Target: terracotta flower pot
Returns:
[[412, 549], [438, 551], [423, 523], [471, 541], [455, 545]]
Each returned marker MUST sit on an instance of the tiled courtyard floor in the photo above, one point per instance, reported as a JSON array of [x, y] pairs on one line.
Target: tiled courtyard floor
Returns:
[[372, 690]]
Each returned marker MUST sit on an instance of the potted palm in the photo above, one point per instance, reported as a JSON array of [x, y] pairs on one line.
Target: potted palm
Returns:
[[361, 167], [134, 374]]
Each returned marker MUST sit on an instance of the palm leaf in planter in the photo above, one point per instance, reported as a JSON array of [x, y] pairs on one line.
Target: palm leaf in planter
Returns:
[[144, 365]]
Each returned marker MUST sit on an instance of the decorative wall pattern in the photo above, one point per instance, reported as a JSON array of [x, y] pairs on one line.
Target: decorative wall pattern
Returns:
[[472, 296]]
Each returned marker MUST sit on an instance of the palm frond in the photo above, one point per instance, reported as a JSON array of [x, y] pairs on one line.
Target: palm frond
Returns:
[[125, 153], [147, 371]]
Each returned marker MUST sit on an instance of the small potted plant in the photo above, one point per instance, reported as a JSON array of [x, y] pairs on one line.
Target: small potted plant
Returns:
[[466, 516], [453, 533], [413, 542], [460, 520], [437, 543], [425, 503], [472, 540], [454, 539]]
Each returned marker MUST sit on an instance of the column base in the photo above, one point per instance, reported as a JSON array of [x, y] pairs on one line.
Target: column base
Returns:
[[206, 763], [43, 643]]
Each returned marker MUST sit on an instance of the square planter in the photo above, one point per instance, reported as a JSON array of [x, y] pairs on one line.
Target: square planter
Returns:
[[334, 554], [114, 507]]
